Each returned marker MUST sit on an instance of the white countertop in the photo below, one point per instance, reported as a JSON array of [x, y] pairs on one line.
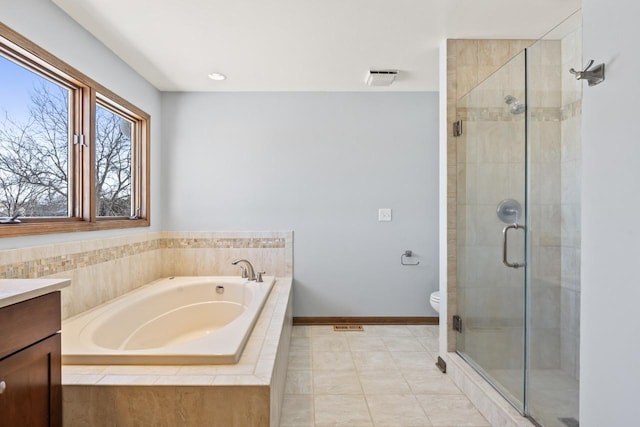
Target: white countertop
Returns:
[[16, 290]]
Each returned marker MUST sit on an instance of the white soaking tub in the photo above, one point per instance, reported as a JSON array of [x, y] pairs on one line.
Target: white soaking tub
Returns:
[[176, 321]]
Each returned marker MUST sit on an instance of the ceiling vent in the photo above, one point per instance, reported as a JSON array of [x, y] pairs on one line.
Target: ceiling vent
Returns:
[[381, 77]]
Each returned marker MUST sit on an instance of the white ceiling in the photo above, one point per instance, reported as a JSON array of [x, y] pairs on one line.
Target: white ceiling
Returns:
[[300, 45]]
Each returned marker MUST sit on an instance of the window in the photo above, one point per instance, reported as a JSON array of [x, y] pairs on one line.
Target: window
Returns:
[[73, 155], [34, 149], [113, 163]]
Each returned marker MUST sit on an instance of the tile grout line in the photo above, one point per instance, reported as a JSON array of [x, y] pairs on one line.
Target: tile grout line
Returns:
[[313, 390], [366, 401]]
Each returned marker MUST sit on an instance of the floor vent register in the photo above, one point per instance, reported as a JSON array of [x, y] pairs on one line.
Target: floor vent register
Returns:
[[348, 328]]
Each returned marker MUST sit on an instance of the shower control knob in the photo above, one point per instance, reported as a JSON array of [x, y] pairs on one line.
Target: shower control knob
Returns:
[[509, 211]]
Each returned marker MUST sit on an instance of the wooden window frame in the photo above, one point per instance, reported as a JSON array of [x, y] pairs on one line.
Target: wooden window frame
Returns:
[[85, 92]]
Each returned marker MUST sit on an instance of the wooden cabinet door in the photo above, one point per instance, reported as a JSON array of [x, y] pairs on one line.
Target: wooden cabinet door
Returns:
[[32, 390]]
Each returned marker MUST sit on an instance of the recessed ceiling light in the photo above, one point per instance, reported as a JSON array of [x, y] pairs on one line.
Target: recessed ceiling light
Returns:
[[217, 76]]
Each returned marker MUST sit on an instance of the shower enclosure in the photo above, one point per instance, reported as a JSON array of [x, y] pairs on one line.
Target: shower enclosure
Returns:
[[518, 227]]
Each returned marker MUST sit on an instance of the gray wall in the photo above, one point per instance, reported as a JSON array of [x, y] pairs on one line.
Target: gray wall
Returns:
[[46, 25], [320, 164], [610, 344]]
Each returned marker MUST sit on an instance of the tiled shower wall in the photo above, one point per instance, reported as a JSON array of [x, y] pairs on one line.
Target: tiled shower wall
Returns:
[[468, 63], [491, 168], [553, 146], [544, 93], [101, 270], [571, 167], [554, 158]]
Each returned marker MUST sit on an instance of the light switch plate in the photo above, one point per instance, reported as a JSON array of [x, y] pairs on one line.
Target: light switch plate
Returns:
[[384, 214]]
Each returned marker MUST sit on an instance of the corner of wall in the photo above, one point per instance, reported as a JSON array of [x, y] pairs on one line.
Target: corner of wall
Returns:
[[442, 195]]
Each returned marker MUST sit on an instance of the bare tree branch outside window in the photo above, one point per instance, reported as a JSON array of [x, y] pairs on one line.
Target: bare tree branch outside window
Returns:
[[34, 158], [113, 163]]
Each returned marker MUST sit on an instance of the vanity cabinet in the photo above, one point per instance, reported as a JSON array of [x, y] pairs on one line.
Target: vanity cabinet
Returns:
[[30, 363]]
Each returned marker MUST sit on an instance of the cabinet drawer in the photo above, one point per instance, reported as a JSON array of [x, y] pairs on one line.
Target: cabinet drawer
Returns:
[[27, 322]]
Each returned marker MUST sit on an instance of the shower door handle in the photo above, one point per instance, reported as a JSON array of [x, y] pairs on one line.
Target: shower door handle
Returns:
[[505, 258]]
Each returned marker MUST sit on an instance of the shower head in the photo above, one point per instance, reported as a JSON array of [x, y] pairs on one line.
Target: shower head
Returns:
[[517, 107]]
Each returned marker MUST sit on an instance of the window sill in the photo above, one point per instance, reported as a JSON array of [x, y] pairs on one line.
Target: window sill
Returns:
[[39, 228]]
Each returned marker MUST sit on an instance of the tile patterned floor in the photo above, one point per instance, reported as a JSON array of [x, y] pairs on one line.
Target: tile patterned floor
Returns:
[[382, 377]]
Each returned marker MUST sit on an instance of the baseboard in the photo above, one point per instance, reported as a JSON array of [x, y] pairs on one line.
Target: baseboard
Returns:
[[367, 320]]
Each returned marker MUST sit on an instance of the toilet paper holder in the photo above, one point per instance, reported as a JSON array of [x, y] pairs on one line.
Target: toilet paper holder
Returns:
[[407, 254]]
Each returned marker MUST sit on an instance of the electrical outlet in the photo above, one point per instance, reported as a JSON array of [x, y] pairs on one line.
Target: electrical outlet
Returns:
[[384, 214]]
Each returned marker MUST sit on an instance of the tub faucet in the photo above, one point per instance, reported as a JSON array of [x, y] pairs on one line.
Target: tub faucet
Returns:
[[251, 274]]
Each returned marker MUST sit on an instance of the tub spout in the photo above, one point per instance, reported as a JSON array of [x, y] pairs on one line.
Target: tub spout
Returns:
[[250, 271]]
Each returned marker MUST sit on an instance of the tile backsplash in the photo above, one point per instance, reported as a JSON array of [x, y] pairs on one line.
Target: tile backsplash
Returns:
[[104, 269]]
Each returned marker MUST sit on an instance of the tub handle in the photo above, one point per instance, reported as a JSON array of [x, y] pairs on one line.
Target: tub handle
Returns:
[[259, 276]]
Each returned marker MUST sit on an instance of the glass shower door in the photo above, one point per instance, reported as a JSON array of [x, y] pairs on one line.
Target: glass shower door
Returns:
[[491, 213], [553, 276]]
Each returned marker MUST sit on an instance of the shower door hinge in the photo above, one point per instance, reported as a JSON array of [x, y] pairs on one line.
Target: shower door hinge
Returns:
[[457, 323], [457, 128]]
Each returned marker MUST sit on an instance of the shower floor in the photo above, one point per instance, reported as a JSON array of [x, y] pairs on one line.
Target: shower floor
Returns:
[[553, 394]]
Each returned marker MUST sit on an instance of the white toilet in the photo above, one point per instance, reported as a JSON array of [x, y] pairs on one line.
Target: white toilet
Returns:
[[434, 300]]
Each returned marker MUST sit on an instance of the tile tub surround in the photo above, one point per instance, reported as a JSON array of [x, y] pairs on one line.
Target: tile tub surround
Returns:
[[385, 376], [103, 269], [247, 394], [202, 253]]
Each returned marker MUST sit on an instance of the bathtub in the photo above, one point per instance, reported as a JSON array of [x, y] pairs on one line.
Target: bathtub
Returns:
[[175, 321]]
